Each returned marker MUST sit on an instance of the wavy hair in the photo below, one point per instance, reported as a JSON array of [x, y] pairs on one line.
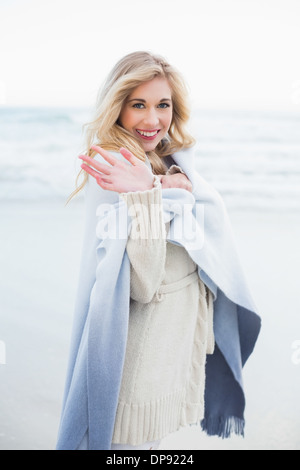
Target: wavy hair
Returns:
[[105, 130]]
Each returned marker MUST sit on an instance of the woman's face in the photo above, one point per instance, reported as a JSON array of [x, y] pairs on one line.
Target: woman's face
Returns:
[[147, 112]]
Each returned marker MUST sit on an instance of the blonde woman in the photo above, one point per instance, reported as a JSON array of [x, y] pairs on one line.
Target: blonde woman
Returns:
[[164, 321]]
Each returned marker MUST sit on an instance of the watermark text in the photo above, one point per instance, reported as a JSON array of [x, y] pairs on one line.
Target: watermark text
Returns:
[[147, 222]]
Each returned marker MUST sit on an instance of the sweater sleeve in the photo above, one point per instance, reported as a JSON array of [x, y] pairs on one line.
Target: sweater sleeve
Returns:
[[146, 246], [175, 169]]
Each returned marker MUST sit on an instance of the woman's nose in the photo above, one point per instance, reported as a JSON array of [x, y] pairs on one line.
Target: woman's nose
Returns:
[[151, 118]]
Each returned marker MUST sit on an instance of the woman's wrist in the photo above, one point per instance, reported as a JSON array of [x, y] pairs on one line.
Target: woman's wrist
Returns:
[[156, 184], [149, 185]]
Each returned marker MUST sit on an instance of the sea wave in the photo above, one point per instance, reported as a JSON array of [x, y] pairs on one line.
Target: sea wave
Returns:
[[252, 159]]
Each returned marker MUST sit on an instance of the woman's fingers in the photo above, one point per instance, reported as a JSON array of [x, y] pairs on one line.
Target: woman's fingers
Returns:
[[113, 160], [129, 156], [103, 168], [177, 180], [90, 171], [106, 155], [101, 179], [117, 176]]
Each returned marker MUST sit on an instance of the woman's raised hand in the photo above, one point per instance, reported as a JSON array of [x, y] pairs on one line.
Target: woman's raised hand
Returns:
[[117, 175]]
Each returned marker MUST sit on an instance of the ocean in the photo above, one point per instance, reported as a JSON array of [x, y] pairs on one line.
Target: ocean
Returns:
[[252, 158]]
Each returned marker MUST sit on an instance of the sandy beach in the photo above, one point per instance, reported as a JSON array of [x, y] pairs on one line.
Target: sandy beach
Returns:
[[39, 255]]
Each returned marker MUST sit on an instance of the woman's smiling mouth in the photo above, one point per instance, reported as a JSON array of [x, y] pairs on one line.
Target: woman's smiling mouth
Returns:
[[148, 135]]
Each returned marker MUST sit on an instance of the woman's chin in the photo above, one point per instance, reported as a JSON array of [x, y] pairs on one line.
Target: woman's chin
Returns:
[[149, 146]]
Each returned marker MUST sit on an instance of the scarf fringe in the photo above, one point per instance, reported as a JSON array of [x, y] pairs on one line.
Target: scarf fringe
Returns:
[[223, 427]]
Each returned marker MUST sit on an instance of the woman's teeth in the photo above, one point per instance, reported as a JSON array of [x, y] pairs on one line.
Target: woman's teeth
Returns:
[[148, 134]]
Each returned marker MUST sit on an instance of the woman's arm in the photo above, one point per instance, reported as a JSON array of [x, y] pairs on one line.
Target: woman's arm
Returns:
[[146, 245]]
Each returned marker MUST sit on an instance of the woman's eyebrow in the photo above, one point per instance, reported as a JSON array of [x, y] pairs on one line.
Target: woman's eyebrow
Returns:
[[144, 101], [136, 99]]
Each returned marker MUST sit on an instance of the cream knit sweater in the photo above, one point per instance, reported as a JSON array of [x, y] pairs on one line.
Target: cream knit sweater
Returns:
[[170, 331]]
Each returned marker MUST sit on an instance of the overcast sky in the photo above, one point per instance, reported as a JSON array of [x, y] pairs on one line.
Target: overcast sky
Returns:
[[233, 53]]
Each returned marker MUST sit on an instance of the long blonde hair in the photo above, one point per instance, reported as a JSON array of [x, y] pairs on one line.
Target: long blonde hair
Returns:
[[130, 72]]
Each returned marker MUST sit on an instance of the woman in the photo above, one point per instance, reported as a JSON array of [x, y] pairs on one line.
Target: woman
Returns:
[[158, 265]]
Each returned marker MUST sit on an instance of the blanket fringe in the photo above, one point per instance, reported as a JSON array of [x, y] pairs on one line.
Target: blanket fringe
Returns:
[[223, 427]]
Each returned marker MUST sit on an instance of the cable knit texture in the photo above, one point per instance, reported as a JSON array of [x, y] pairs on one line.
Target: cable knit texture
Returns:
[[170, 331]]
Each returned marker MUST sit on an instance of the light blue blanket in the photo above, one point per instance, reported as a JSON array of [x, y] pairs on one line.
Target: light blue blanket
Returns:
[[199, 222]]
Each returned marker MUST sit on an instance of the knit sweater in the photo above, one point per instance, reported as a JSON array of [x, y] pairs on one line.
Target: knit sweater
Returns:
[[170, 331]]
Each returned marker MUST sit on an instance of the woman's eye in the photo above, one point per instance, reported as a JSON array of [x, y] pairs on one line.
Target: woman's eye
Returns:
[[142, 106]]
